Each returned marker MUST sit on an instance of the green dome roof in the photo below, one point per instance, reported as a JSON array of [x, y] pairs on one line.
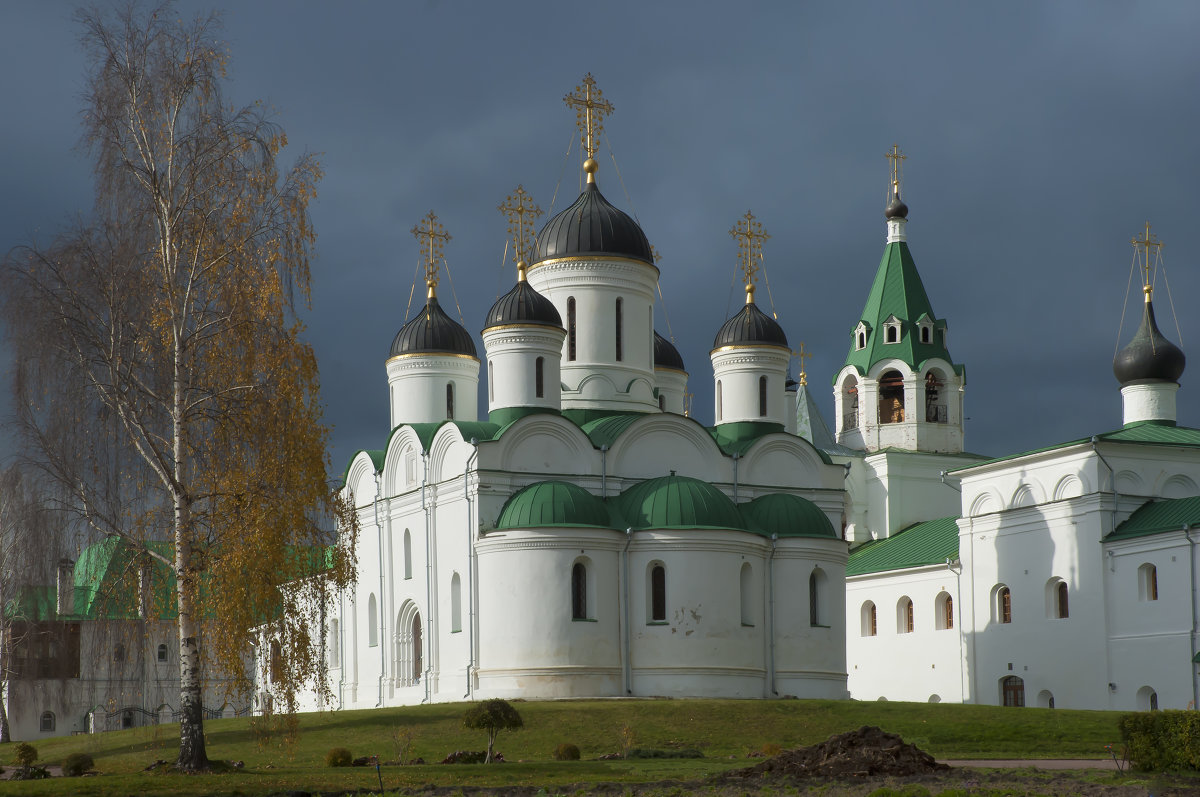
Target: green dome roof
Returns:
[[678, 502], [553, 503], [788, 516]]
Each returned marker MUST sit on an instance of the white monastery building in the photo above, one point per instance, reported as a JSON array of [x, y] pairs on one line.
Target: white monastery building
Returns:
[[591, 539]]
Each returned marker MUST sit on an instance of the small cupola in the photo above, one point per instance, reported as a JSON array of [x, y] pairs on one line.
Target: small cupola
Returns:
[[1149, 366], [670, 377], [431, 331]]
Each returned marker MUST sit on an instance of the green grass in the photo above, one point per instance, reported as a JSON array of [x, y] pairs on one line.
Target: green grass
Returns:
[[725, 730]]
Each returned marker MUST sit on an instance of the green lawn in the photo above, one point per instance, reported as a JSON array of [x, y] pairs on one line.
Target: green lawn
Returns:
[[724, 730]]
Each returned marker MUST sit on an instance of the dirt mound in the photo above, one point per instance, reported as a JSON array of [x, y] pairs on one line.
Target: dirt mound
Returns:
[[866, 751]]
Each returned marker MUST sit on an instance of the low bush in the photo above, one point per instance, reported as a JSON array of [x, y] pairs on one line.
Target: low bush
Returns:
[[24, 754], [472, 757], [642, 752], [77, 764], [338, 757], [566, 752], [1162, 740]]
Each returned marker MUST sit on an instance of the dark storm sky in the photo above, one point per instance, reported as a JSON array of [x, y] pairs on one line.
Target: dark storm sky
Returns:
[[1040, 137]]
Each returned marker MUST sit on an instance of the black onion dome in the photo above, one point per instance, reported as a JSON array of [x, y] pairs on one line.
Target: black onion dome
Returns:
[[750, 326], [523, 305], [1149, 357], [591, 226], [431, 331], [666, 355], [896, 209]]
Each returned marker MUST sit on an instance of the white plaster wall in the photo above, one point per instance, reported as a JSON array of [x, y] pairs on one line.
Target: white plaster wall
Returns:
[[1149, 402], [738, 369], [512, 353], [672, 385], [417, 387]]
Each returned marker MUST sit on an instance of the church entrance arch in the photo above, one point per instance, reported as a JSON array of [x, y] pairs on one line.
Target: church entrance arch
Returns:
[[1012, 691], [410, 659]]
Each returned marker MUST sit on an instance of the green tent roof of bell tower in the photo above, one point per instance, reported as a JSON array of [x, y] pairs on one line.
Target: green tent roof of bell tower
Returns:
[[897, 292]]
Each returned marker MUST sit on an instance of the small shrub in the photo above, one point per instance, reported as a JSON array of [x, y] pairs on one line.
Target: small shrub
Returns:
[[566, 752], [1162, 740], [24, 754], [404, 740], [77, 764], [470, 757], [626, 738], [338, 757]]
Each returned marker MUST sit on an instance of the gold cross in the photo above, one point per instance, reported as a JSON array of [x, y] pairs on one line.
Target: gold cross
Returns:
[[803, 354], [435, 237], [687, 404], [895, 157], [590, 110], [654, 253], [1142, 246], [521, 212], [750, 235]]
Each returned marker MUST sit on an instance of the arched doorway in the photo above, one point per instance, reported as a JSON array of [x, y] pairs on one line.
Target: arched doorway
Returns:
[[1012, 691]]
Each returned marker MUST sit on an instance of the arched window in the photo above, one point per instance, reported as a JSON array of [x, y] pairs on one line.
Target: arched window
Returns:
[[275, 668], [418, 650], [816, 598], [1002, 604], [162, 652], [762, 397], [868, 619], [746, 584], [850, 403], [539, 377], [619, 323], [924, 334], [892, 334], [935, 408], [571, 328], [407, 554], [333, 644], [862, 340], [1147, 699], [944, 611], [658, 593], [47, 723], [449, 401], [455, 604], [891, 397], [1056, 599], [579, 602], [1012, 691], [1045, 699], [904, 616], [492, 381], [662, 403], [119, 653], [372, 622], [409, 647], [1148, 582]]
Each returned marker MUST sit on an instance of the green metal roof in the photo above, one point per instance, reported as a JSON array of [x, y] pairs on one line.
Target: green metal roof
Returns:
[[678, 502], [1141, 433], [480, 430], [928, 543], [605, 431], [897, 291], [1157, 517], [788, 516], [553, 503]]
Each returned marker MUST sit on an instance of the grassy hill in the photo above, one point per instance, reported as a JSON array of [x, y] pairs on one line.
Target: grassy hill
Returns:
[[725, 731]]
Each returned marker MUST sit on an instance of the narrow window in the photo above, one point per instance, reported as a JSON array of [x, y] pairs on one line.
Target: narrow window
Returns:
[[935, 408], [407, 554], [662, 403], [455, 604], [618, 331], [162, 652], [868, 618], [492, 381], [762, 397], [418, 650], [949, 612], [718, 401], [450, 401], [813, 606], [924, 334], [862, 340], [276, 666], [1061, 590], [1148, 582], [1154, 701], [891, 334], [372, 622], [1004, 605], [333, 644], [579, 592], [944, 611], [747, 589], [904, 616], [658, 594], [47, 724], [571, 334], [539, 377]]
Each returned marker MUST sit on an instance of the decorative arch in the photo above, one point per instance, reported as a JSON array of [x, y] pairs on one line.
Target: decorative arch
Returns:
[[986, 502], [905, 616], [1027, 494], [1178, 486], [402, 445], [1070, 486], [1147, 699], [1045, 699], [545, 443], [1129, 482], [868, 619], [360, 480], [656, 443], [449, 453], [1058, 594], [788, 461], [409, 646], [943, 611], [849, 394]]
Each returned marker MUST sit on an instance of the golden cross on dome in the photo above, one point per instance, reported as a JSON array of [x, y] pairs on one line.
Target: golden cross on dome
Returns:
[[750, 235], [432, 236], [655, 254], [1142, 246], [521, 212], [896, 158], [590, 110], [803, 354]]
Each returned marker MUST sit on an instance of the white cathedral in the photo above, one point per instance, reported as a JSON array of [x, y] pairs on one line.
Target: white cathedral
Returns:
[[589, 539]]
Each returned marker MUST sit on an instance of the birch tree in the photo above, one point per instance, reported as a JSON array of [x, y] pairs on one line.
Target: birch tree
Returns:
[[163, 377]]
